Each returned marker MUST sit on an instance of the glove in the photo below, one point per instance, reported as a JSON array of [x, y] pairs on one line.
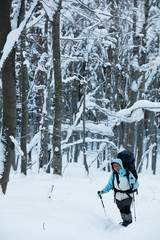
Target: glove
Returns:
[[99, 193]]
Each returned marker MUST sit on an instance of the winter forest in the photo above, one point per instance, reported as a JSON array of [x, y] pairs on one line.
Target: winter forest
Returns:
[[80, 80]]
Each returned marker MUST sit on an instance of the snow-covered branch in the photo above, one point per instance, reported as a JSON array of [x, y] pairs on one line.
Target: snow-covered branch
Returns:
[[50, 6], [79, 114], [132, 114], [17, 146], [136, 113], [14, 35], [88, 140], [144, 155], [100, 150], [150, 70], [34, 142]]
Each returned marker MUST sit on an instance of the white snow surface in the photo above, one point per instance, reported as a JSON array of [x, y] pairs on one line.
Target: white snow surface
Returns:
[[74, 211]]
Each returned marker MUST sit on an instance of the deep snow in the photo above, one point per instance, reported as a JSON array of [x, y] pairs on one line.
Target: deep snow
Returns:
[[74, 210]]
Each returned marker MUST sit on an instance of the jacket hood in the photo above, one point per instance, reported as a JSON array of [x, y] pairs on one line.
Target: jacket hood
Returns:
[[117, 160]]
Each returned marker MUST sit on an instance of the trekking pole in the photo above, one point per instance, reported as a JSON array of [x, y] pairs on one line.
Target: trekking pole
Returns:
[[102, 204], [134, 207]]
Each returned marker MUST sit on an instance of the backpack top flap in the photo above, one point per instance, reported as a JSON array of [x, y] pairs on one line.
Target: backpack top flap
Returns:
[[126, 156], [128, 162]]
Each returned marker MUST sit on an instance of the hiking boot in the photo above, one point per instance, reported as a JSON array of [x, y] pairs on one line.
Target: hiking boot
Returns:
[[125, 223]]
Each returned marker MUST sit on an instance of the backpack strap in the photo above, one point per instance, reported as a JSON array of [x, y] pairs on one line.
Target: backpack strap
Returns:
[[115, 174], [117, 177], [127, 174], [128, 192]]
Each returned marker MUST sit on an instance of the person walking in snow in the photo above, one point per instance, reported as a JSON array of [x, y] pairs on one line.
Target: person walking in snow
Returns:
[[124, 186]]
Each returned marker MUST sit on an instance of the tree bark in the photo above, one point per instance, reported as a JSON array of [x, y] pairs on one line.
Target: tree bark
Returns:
[[9, 95], [57, 157], [24, 93]]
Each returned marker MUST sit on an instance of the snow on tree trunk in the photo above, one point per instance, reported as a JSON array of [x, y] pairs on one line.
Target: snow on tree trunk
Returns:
[[9, 95], [24, 92], [57, 156]]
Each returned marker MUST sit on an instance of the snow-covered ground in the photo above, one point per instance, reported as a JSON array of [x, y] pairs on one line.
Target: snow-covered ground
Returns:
[[74, 211]]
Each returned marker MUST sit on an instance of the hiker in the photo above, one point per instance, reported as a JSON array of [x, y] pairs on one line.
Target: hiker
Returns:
[[124, 185]]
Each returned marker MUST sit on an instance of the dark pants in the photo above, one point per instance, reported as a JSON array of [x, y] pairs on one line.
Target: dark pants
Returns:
[[124, 205]]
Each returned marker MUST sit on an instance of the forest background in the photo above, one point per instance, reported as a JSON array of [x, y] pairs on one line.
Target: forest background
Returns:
[[78, 78]]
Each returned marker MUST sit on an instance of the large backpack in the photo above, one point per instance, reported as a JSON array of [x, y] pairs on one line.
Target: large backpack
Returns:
[[128, 162]]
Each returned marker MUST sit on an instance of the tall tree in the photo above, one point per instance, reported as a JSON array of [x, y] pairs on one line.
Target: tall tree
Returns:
[[57, 156], [24, 91], [9, 94]]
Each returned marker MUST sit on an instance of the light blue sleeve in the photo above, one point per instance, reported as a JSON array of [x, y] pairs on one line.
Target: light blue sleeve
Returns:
[[109, 185], [136, 185]]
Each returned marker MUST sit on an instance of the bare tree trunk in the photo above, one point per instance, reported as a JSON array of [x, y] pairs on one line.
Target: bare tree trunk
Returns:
[[46, 114], [142, 60], [84, 131], [57, 157], [155, 140], [44, 153], [24, 92], [24, 120], [9, 95]]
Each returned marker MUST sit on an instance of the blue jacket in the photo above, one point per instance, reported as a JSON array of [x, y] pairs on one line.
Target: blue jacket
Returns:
[[123, 184]]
